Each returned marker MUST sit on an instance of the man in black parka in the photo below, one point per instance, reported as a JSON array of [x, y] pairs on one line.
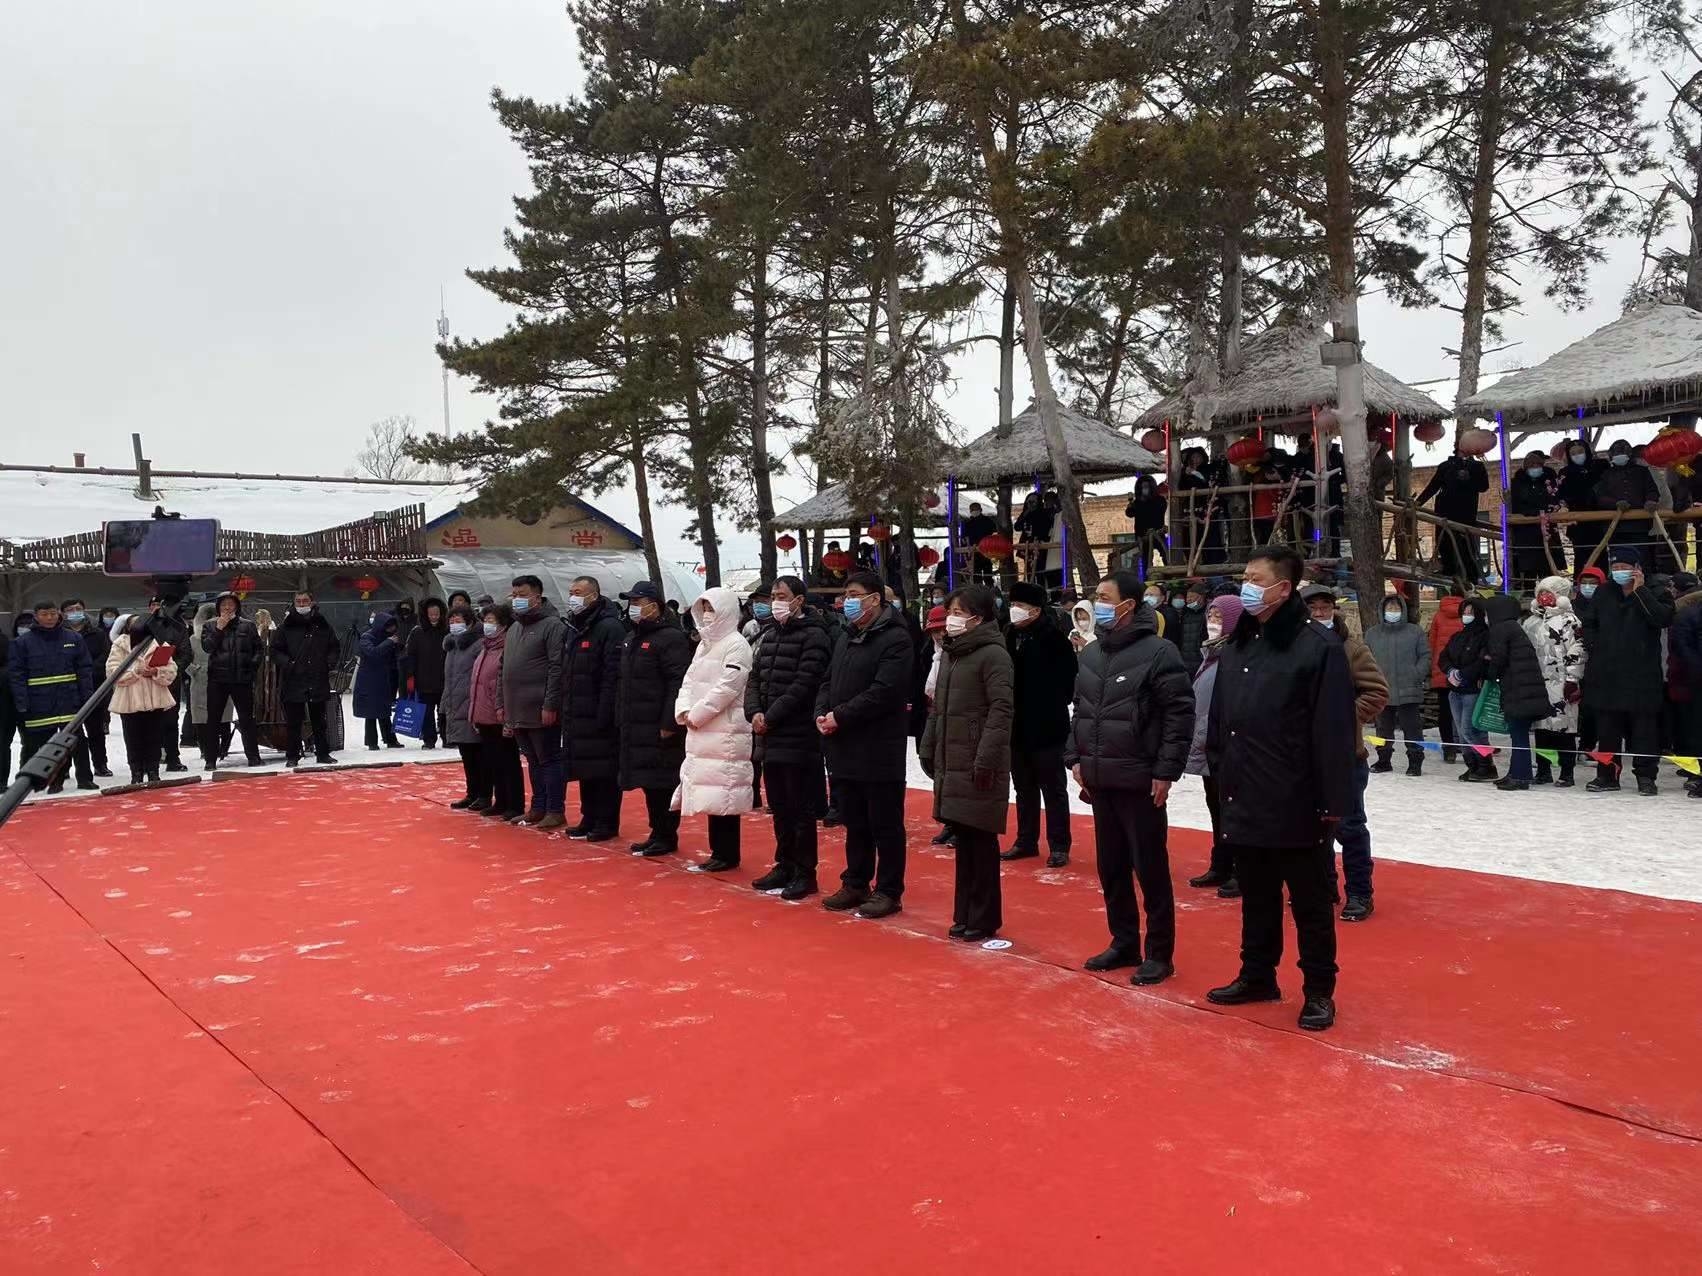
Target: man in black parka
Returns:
[[591, 672], [652, 744], [1129, 742], [1043, 667], [1280, 741]]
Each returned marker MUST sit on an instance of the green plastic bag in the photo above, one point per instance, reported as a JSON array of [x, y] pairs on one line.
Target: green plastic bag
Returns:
[[1486, 713]]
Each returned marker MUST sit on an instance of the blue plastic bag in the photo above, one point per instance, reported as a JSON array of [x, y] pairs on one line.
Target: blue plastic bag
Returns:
[[408, 717]]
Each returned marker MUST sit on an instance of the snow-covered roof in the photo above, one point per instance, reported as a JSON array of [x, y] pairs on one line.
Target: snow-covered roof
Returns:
[[39, 504], [1096, 450], [491, 571], [832, 507], [1650, 357], [1282, 376]]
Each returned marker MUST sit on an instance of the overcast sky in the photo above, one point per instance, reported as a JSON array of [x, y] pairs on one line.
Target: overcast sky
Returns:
[[226, 226]]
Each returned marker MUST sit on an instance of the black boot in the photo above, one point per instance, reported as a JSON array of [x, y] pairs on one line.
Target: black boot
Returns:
[[1545, 773], [1382, 766], [1415, 766]]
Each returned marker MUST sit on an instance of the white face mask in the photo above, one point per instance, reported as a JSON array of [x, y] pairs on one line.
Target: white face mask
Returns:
[[1155, 600], [956, 625], [1020, 614], [636, 612], [304, 611], [457, 628], [1392, 616], [1214, 629], [575, 604], [780, 609]]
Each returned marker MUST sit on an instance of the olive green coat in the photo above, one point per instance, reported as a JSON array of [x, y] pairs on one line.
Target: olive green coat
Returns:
[[969, 727]]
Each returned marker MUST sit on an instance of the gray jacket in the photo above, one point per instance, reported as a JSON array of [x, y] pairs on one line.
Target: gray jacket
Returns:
[[531, 666], [459, 653], [1402, 652], [1204, 681]]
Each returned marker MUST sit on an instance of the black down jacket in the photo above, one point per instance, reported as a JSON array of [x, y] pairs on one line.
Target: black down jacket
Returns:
[[653, 664], [1510, 659], [1281, 733], [233, 653], [591, 674], [1465, 651], [867, 689], [423, 652], [1622, 636], [1134, 717], [1044, 666], [790, 664], [305, 650]]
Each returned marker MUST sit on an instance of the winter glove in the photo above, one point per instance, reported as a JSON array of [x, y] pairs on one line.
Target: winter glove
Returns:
[[1572, 692], [983, 778], [1453, 677]]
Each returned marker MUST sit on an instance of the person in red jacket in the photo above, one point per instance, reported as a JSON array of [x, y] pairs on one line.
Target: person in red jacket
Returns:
[[1443, 626]]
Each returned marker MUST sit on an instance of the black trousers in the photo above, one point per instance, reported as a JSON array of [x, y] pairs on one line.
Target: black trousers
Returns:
[[33, 739], [170, 748], [724, 838], [1309, 872], [432, 727], [1444, 720], [1410, 718], [473, 771], [600, 804], [1038, 775], [1131, 840], [241, 694], [314, 712], [873, 813], [8, 733], [976, 901], [1222, 858], [502, 766], [795, 799], [376, 727], [94, 731], [664, 822], [1562, 742], [144, 740], [1637, 733]]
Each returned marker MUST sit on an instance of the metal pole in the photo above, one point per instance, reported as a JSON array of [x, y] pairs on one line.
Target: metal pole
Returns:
[[1506, 540], [951, 532]]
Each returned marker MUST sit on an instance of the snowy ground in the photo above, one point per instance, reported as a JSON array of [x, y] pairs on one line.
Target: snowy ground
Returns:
[[1620, 841]]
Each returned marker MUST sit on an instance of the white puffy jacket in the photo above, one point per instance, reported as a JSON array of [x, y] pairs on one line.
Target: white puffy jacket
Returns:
[[716, 777], [1558, 636]]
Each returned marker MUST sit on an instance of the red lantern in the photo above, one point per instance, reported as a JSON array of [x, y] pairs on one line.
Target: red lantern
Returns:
[[1428, 432], [1164, 489], [368, 585], [242, 586], [880, 532], [1669, 447], [1154, 441], [1247, 451], [927, 556], [995, 545], [836, 560], [1475, 441], [932, 500], [786, 544]]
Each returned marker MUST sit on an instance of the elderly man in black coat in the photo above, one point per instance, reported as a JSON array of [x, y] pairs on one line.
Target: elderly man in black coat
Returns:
[[591, 674], [1280, 740], [305, 651], [1044, 666], [1623, 682], [1134, 723], [652, 744], [786, 675]]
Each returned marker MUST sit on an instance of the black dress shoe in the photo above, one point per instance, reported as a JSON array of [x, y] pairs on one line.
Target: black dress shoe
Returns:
[[958, 931], [1058, 859], [638, 848], [174, 768], [1229, 890], [326, 760], [1240, 992], [1317, 1014], [1111, 959], [602, 835], [1020, 853], [1602, 786], [1382, 767], [1357, 908], [1564, 782], [1211, 877], [773, 880], [496, 813], [1507, 784], [1151, 972], [579, 832], [716, 865], [658, 847], [462, 805], [90, 787], [1415, 768], [482, 805], [942, 838], [977, 936], [103, 773], [800, 887], [1646, 788], [831, 819]]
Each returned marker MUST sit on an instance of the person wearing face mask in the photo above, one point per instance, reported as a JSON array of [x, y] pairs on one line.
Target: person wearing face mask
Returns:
[[715, 780], [460, 652], [1044, 680], [141, 699], [420, 663], [232, 644], [1129, 738], [1557, 635], [1222, 615], [1534, 490], [1081, 626], [1510, 663], [780, 699], [97, 637], [305, 652], [1145, 511], [1456, 486], [590, 682], [860, 712], [1443, 626], [966, 751], [652, 745], [1684, 672], [1461, 663], [1626, 485], [51, 677], [531, 698], [1403, 654], [1576, 488], [1154, 597], [927, 673], [1279, 741], [499, 753], [377, 679], [1623, 680], [1189, 608]]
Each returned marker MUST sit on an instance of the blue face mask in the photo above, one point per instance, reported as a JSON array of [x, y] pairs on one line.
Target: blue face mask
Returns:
[[520, 605], [762, 611], [1620, 458], [1104, 613], [853, 608], [635, 612], [1252, 596], [1195, 606], [492, 629], [1588, 589], [1535, 471], [457, 628], [1621, 577], [76, 617]]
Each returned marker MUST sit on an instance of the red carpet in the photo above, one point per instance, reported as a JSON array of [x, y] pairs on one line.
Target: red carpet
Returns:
[[445, 1047]]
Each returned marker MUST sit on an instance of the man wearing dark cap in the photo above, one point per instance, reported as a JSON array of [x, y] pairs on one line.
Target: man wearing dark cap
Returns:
[[1623, 682], [652, 744], [1044, 669]]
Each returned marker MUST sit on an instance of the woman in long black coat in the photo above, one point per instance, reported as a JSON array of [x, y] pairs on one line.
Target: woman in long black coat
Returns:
[[1510, 661], [652, 745]]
